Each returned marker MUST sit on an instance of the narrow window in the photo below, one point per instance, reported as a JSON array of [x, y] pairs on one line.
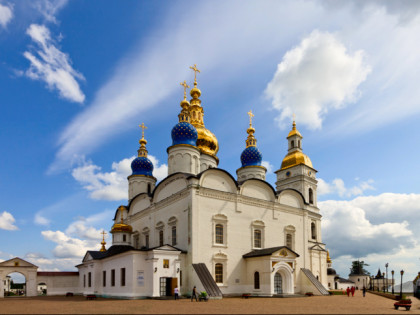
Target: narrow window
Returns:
[[104, 278], [166, 263], [311, 196], [112, 277], [123, 277], [257, 238], [84, 281], [293, 144], [147, 240], [299, 143], [149, 188], [219, 234], [313, 231], [289, 240], [219, 273], [89, 279], [256, 280], [161, 238], [180, 278], [124, 238], [173, 235], [137, 241]]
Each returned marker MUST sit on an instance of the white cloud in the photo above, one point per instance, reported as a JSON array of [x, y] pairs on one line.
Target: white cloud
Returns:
[[6, 14], [79, 237], [315, 77], [376, 229], [49, 8], [268, 166], [7, 221], [337, 186], [52, 65], [112, 185], [41, 220]]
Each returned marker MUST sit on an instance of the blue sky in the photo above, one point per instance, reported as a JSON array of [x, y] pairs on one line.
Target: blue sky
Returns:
[[78, 77]]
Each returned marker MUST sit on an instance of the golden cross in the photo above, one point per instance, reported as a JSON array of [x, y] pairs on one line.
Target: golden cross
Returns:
[[184, 84], [103, 235], [195, 72], [142, 126], [250, 114], [294, 116]]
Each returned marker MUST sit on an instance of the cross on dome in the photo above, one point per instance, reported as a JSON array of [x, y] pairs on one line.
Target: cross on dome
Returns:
[[195, 69], [250, 114], [185, 85], [142, 126]]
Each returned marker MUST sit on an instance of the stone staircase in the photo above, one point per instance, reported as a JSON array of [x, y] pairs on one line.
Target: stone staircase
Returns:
[[322, 290], [207, 281]]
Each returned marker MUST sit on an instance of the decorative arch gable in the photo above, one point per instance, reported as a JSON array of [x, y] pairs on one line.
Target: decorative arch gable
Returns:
[[140, 203], [218, 180], [291, 198], [169, 186], [258, 189]]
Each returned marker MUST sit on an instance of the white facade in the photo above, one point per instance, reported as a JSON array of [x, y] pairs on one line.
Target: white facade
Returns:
[[251, 237]]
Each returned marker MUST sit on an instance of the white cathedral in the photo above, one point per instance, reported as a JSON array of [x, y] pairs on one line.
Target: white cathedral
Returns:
[[201, 226]]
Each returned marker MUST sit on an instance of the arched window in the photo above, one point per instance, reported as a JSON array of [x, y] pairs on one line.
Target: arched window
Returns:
[[161, 238], [292, 144], [289, 240], [311, 196], [299, 143], [313, 230], [149, 188], [124, 238], [256, 280], [219, 234], [257, 238], [173, 235], [218, 271]]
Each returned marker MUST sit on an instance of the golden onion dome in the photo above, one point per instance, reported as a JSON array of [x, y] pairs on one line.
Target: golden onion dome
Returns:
[[121, 227], [329, 261], [195, 91], [207, 141], [294, 131], [295, 158]]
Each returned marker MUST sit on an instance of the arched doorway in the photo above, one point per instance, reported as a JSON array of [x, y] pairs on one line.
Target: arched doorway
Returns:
[[41, 288], [15, 284], [278, 284]]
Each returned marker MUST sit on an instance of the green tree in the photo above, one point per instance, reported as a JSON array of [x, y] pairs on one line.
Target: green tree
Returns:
[[358, 268]]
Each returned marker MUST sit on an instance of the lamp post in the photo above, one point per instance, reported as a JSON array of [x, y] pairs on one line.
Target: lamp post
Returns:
[[402, 272], [383, 280], [392, 273], [386, 268]]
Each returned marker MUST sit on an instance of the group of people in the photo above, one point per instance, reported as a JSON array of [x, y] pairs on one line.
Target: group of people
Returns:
[[352, 289], [193, 294]]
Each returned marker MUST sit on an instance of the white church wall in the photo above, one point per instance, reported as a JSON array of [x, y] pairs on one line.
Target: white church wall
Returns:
[[169, 186], [60, 285], [139, 204], [257, 189], [291, 198], [218, 180]]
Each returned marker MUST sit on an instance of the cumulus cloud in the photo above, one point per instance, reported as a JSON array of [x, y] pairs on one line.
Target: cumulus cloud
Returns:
[[315, 77], [112, 185], [369, 225], [7, 221], [6, 14], [80, 236], [268, 166], [41, 220], [49, 64], [337, 186]]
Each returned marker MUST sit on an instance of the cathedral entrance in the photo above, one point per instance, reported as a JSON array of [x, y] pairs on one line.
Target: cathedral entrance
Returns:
[[278, 284], [167, 286]]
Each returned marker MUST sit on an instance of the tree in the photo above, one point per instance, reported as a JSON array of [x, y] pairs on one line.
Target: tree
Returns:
[[358, 268]]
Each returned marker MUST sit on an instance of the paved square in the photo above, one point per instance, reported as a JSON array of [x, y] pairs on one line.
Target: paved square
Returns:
[[371, 304]]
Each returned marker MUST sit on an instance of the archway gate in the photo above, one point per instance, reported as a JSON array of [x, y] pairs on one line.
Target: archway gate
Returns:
[[22, 266]]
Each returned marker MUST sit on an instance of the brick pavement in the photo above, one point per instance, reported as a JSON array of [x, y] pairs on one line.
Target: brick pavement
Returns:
[[372, 304]]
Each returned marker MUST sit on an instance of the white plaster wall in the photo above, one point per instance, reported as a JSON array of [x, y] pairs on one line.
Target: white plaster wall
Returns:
[[206, 162], [60, 285], [183, 158], [248, 172]]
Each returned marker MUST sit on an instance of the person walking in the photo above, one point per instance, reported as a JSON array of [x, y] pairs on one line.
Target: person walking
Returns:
[[348, 292], [176, 293], [194, 294], [352, 291], [364, 291]]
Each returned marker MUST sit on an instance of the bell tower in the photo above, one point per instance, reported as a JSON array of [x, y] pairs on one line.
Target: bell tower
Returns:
[[296, 171]]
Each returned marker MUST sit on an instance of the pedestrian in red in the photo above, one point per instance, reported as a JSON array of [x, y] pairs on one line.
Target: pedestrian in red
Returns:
[[352, 291], [348, 292]]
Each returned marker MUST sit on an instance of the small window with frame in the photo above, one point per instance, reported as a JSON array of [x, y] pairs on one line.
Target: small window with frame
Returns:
[[166, 263]]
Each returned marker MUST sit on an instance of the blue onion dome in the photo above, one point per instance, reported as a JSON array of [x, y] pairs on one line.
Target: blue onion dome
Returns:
[[184, 133], [251, 156], [141, 165]]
